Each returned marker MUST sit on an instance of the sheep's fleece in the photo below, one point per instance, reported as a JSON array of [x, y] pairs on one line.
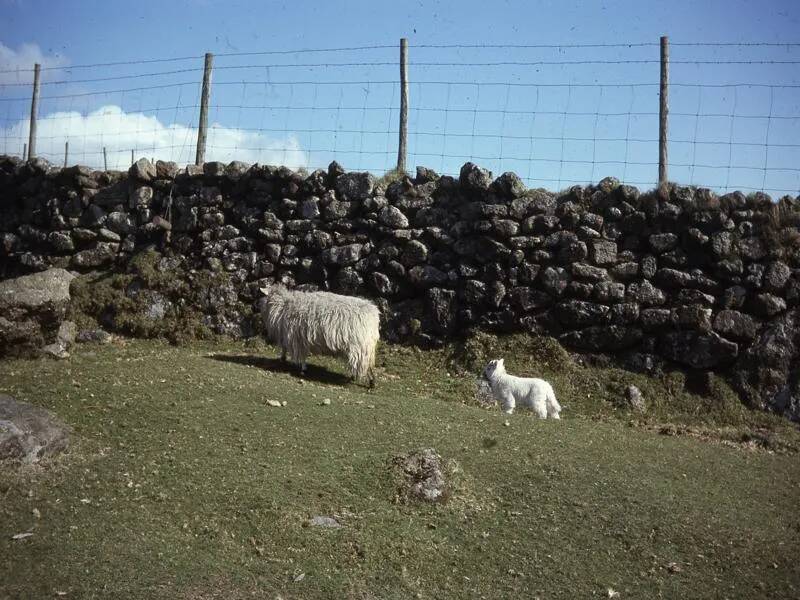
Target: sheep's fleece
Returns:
[[302, 323]]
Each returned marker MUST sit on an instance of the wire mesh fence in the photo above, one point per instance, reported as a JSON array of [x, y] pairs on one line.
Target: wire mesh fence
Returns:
[[557, 115]]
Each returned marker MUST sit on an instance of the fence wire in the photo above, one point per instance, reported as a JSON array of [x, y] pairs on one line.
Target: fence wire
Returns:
[[557, 115]]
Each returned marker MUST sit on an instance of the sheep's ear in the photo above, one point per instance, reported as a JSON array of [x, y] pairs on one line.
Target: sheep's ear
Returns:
[[264, 291], [500, 361]]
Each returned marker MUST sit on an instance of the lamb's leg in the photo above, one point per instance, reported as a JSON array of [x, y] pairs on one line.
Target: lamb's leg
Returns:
[[371, 379], [283, 355], [507, 403], [539, 405]]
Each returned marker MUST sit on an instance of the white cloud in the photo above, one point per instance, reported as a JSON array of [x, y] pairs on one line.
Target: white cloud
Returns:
[[120, 132], [19, 64]]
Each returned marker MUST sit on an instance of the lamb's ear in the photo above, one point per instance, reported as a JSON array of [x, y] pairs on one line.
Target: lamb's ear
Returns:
[[500, 361], [264, 291]]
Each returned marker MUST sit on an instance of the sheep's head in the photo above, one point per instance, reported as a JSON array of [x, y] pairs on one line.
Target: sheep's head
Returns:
[[495, 367], [271, 288]]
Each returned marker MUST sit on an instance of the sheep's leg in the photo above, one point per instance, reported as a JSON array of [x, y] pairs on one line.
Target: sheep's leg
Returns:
[[371, 379], [283, 355], [507, 403]]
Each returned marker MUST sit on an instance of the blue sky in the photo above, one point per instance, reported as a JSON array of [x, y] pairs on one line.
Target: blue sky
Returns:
[[554, 124]]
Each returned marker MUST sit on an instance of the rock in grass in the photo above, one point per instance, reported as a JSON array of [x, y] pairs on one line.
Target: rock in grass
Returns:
[[323, 521], [422, 476], [634, 399], [29, 433], [274, 403]]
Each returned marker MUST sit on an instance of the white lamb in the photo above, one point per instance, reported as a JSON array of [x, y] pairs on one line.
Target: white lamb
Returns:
[[301, 323], [509, 390]]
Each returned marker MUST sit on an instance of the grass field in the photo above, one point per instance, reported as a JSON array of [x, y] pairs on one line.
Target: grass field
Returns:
[[183, 483]]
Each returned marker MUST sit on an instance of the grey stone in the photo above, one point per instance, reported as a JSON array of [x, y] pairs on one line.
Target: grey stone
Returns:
[[355, 186], [768, 305], [61, 241], [440, 305], [309, 209], [609, 292], [588, 272], [414, 253], [525, 299], [107, 235], [98, 336], [391, 216], [602, 252], [214, 169], [29, 433], [646, 294], [505, 228], [422, 477], [661, 242], [648, 267], [691, 296], [472, 177], [625, 313], [634, 399], [324, 522], [121, 223], [383, 284], [776, 276], [142, 170], [735, 325], [625, 271], [141, 196], [102, 254], [752, 248], [554, 280], [509, 185], [692, 317], [722, 244], [342, 255], [427, 276]]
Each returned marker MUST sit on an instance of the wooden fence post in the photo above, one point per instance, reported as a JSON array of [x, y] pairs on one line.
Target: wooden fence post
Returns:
[[402, 143], [202, 130], [25, 151], [105, 159], [66, 153], [34, 111], [663, 112]]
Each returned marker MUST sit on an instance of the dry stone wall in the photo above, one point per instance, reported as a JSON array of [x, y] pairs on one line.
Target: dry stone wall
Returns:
[[676, 277]]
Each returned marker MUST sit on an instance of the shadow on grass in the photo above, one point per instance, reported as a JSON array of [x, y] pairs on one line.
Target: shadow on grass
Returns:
[[313, 372]]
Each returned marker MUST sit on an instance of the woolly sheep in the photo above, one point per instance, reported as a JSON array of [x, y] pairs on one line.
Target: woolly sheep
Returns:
[[302, 323]]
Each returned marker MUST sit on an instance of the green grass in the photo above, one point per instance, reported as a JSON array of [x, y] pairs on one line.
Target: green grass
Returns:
[[183, 483]]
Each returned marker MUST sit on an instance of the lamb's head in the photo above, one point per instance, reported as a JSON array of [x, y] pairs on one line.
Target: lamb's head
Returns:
[[269, 289], [495, 367]]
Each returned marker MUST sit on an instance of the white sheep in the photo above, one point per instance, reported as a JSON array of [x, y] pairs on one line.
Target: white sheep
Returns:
[[301, 323], [509, 390]]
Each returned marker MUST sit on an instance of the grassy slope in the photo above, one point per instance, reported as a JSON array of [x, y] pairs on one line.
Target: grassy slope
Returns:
[[184, 484]]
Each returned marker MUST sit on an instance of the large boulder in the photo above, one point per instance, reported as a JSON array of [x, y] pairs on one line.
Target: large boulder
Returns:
[[768, 373], [29, 433], [32, 308]]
